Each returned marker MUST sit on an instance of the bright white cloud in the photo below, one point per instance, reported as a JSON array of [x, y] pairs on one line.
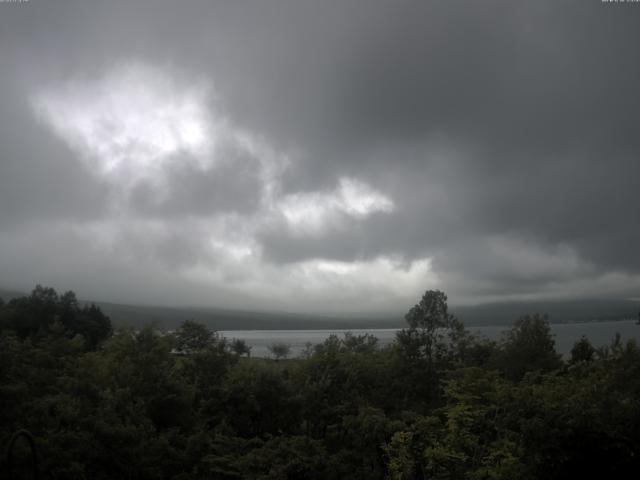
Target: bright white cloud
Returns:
[[311, 212], [383, 283], [135, 122], [385, 275], [128, 122]]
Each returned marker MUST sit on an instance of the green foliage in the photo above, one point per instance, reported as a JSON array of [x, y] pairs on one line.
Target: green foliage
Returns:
[[259, 400], [434, 336], [286, 458], [438, 404], [193, 336], [240, 347], [44, 312], [582, 351], [401, 464], [529, 347], [366, 343], [279, 350], [434, 341]]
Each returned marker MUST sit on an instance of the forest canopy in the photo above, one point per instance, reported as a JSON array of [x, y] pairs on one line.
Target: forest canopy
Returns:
[[437, 403]]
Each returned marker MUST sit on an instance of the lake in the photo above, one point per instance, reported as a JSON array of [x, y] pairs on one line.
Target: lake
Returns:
[[566, 334]]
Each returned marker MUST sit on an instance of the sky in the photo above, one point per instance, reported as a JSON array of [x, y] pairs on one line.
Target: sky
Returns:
[[334, 156]]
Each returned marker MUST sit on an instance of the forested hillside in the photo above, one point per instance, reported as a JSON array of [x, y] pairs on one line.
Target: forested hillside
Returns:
[[438, 403]]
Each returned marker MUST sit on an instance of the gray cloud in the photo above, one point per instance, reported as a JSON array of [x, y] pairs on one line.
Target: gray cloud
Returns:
[[502, 135], [39, 176], [234, 186]]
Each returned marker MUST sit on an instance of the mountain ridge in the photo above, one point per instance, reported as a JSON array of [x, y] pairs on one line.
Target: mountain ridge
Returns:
[[559, 311]]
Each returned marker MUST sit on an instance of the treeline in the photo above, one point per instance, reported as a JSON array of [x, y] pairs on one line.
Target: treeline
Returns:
[[438, 403]]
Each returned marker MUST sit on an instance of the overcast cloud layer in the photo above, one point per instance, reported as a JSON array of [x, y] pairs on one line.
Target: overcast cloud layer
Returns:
[[323, 156]]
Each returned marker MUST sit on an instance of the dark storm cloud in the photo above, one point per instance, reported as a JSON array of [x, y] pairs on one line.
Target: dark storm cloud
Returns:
[[543, 102], [505, 133]]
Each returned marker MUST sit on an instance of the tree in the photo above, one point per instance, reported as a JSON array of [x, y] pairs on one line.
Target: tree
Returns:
[[240, 347], [529, 346], [280, 350], [366, 343], [259, 400], [430, 313], [44, 295], [44, 312], [193, 336], [88, 321], [287, 458], [582, 351], [433, 341], [433, 333]]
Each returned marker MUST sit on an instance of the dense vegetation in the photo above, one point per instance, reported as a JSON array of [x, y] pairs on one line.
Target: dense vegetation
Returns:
[[438, 403]]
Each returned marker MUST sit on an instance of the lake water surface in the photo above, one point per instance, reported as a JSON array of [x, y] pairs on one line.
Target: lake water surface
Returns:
[[599, 333]]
